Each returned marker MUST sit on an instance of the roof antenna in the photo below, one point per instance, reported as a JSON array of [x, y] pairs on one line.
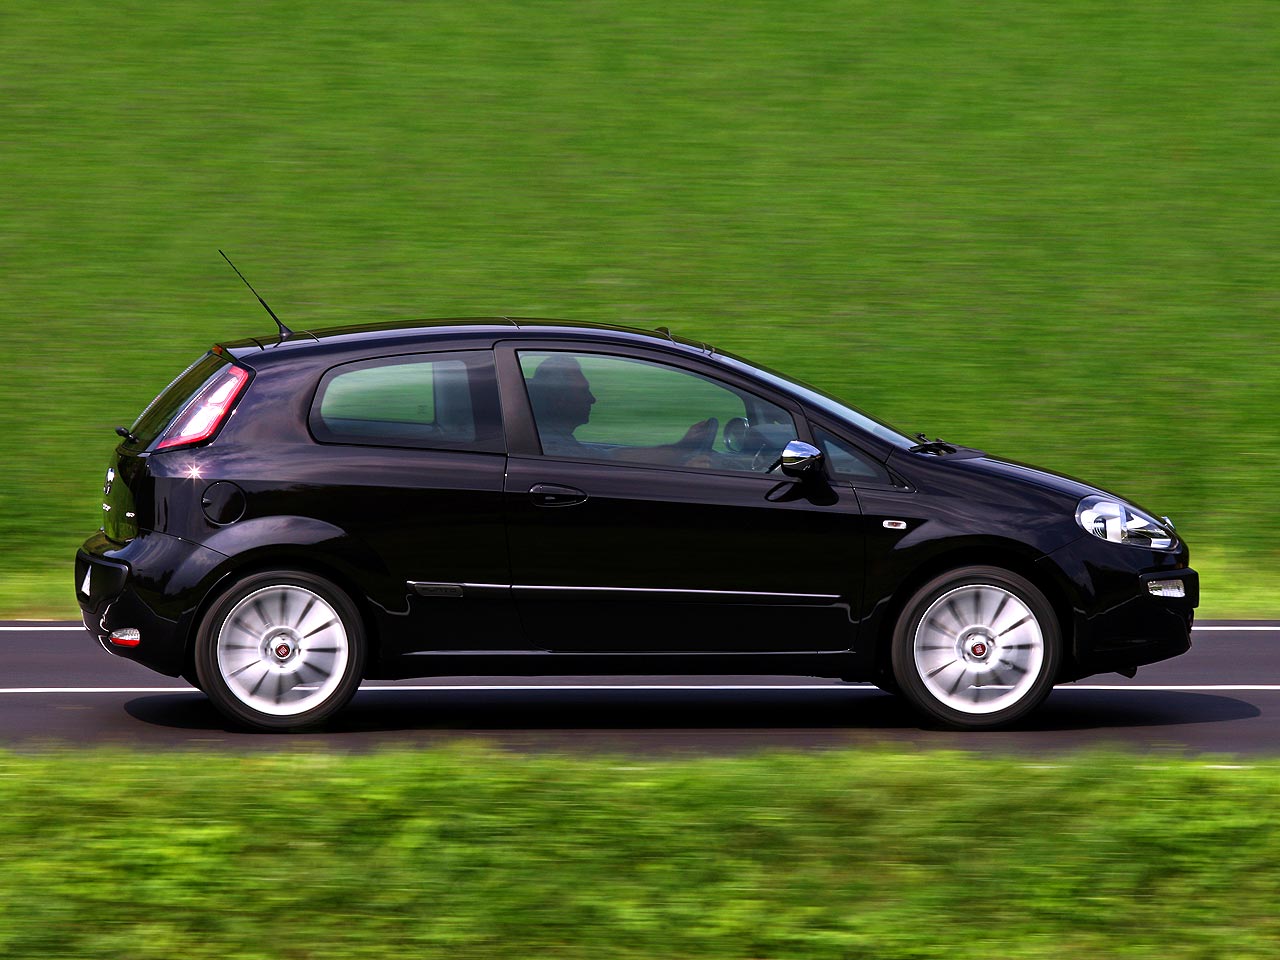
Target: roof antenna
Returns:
[[284, 331]]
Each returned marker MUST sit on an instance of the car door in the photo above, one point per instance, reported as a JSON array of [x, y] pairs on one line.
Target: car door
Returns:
[[412, 461], [642, 515]]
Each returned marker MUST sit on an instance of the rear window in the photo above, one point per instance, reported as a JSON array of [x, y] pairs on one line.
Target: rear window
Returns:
[[161, 411], [441, 400]]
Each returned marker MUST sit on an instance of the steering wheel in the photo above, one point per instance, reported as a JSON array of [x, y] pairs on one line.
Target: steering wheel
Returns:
[[747, 441], [766, 456], [735, 434]]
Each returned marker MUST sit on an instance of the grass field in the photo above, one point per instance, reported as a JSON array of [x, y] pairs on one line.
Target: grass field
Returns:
[[470, 854], [1050, 231]]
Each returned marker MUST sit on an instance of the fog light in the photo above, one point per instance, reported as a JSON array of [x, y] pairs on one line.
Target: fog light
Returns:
[[1167, 588], [126, 637]]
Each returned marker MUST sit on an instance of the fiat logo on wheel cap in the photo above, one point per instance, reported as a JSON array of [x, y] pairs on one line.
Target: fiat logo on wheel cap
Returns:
[[979, 649], [282, 650]]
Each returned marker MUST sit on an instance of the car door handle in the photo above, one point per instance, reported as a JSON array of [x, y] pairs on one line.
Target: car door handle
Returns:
[[554, 495]]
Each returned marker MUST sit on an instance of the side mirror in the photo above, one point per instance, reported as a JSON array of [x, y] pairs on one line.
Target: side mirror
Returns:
[[800, 459]]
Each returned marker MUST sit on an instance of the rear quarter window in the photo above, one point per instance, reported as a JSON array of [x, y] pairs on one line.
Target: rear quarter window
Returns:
[[443, 401]]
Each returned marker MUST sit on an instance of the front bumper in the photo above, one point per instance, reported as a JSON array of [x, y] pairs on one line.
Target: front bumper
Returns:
[[154, 584], [1117, 623]]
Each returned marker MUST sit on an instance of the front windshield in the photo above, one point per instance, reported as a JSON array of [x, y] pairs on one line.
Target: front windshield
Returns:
[[822, 400]]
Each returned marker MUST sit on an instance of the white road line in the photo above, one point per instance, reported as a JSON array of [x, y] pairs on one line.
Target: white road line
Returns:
[[80, 629], [45, 629], [435, 688], [1242, 629], [482, 687], [97, 689], [1187, 687]]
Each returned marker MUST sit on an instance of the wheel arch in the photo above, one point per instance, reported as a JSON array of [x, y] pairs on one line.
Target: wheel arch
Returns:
[[1042, 575], [285, 557]]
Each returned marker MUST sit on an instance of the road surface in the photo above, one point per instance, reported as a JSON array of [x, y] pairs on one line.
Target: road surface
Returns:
[[58, 687]]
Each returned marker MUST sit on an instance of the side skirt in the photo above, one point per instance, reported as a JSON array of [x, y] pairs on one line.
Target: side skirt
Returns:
[[516, 663]]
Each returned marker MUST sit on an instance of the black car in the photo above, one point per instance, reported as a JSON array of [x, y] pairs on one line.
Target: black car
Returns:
[[294, 514]]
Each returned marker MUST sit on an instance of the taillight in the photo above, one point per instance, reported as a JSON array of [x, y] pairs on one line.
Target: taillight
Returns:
[[204, 415]]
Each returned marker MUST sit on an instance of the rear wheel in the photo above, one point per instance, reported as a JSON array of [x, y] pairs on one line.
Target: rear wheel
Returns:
[[977, 647], [281, 650]]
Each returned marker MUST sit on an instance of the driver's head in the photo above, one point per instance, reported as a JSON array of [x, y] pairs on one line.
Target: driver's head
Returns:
[[560, 394]]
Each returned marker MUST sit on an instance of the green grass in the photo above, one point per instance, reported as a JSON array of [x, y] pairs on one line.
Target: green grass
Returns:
[[466, 853], [1048, 230]]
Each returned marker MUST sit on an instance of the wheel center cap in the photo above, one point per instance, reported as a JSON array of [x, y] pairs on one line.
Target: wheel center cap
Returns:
[[978, 648], [281, 645]]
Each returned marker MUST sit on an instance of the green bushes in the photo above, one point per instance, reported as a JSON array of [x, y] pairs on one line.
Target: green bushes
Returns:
[[471, 853]]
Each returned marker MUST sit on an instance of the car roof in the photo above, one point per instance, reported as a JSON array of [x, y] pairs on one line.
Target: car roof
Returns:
[[478, 331]]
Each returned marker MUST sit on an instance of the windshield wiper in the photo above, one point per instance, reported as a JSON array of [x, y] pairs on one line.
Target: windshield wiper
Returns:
[[935, 445]]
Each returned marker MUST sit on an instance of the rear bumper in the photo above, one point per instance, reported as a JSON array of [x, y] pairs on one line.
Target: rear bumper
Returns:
[[154, 584], [1118, 624]]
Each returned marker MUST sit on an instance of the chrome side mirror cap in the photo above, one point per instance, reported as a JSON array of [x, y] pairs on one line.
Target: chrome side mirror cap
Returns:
[[800, 459]]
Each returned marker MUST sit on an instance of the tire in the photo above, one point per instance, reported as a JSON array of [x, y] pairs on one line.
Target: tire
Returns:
[[977, 647], [281, 650]]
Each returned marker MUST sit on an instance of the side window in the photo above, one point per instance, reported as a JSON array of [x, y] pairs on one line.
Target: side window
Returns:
[[847, 462], [437, 400], [598, 407]]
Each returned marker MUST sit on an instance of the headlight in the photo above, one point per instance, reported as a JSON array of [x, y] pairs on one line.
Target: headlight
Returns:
[[1121, 522]]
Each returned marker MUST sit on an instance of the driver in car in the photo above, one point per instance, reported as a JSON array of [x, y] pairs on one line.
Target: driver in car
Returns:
[[562, 400]]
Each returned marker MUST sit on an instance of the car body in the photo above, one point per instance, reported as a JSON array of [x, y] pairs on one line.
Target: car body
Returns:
[[541, 497]]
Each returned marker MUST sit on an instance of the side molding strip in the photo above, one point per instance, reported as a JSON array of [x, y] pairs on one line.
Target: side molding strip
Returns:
[[678, 591], [433, 589]]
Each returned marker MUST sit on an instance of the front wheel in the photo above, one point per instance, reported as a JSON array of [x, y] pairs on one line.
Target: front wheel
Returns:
[[281, 650], [977, 647]]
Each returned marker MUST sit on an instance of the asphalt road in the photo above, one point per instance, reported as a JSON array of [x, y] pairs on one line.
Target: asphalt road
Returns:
[[58, 687]]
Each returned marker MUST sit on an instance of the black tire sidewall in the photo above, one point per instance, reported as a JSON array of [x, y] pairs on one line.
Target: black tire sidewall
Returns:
[[908, 679], [206, 653]]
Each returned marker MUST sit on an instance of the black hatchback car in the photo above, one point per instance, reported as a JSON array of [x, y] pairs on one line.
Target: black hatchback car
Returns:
[[297, 513]]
